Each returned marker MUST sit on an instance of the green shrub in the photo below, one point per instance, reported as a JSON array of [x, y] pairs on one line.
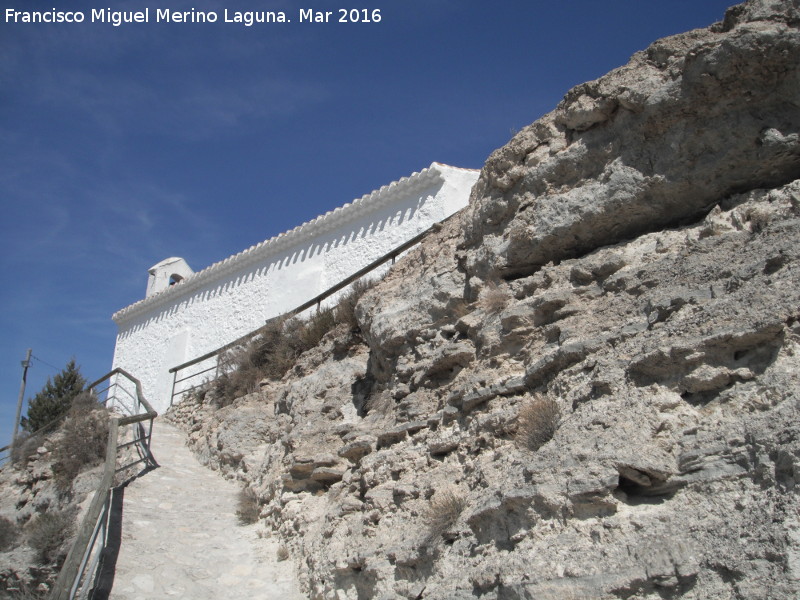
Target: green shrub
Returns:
[[537, 422], [54, 399], [9, 534], [25, 446], [47, 533], [83, 442]]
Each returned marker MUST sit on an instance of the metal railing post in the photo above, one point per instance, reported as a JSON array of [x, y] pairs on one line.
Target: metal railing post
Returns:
[[172, 393]]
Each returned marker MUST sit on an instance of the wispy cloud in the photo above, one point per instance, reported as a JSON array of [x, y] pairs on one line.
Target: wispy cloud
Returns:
[[90, 79], [189, 108]]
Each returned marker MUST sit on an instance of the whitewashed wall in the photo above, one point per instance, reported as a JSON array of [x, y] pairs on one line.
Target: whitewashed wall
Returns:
[[236, 296]]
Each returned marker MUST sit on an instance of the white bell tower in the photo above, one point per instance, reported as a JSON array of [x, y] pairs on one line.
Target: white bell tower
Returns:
[[169, 272]]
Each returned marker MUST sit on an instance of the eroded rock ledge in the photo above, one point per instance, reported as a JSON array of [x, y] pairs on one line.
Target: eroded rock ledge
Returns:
[[632, 256]]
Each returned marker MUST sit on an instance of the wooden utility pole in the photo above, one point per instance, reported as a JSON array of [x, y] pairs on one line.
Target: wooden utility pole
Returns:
[[25, 364]]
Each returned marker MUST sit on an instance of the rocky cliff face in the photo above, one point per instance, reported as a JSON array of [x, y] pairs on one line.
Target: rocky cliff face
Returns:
[[632, 257], [43, 494]]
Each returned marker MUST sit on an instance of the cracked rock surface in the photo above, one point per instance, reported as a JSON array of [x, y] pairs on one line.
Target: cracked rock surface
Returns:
[[632, 256]]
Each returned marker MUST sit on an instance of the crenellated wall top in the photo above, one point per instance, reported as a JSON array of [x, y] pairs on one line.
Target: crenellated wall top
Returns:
[[300, 234]]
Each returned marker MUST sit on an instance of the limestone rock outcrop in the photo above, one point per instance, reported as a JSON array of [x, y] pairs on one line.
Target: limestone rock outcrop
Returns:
[[37, 516], [632, 256]]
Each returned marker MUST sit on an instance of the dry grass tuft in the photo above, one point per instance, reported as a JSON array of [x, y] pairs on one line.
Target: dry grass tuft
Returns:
[[47, 533], [759, 218], [9, 534], [443, 512], [310, 332], [249, 509], [25, 447], [282, 553], [346, 309], [537, 422], [83, 443], [494, 298], [268, 354]]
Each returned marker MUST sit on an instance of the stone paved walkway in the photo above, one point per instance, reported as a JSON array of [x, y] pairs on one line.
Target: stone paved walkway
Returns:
[[180, 537]]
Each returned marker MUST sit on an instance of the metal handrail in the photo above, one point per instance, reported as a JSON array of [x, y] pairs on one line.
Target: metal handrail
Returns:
[[81, 564], [317, 300]]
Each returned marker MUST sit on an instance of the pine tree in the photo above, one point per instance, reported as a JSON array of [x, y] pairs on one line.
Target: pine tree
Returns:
[[55, 398]]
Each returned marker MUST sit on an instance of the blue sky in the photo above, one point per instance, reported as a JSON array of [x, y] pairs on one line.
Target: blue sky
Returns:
[[121, 146]]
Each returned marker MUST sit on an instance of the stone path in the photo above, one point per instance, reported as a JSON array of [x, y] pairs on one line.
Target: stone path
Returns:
[[180, 537]]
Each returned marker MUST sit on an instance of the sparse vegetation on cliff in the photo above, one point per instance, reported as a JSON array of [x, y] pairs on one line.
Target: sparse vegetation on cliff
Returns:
[[273, 350], [248, 509], [494, 297], [9, 534], [84, 436], [39, 499], [537, 422], [445, 508], [48, 533], [25, 447]]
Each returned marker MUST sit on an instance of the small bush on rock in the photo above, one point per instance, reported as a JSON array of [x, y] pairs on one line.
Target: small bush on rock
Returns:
[[443, 512], [48, 532], [310, 332], [267, 354], [273, 350], [9, 534], [494, 298], [346, 309], [25, 446], [537, 422], [83, 443], [249, 509]]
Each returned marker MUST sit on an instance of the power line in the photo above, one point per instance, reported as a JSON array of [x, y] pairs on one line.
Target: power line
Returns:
[[47, 363]]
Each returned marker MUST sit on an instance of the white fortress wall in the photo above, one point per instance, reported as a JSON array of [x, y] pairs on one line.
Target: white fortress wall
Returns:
[[229, 299]]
